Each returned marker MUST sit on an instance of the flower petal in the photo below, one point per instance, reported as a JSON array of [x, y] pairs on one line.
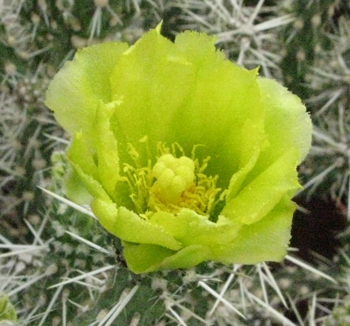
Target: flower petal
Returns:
[[130, 227], [219, 106], [143, 258], [106, 148], [189, 228], [81, 154], [265, 240], [287, 125], [75, 189], [260, 196], [252, 142], [80, 157], [152, 79], [148, 258], [77, 89]]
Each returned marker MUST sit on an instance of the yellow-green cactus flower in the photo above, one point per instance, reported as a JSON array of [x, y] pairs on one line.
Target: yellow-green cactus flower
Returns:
[[182, 154]]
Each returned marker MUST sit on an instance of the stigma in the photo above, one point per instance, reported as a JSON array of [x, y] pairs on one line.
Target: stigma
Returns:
[[173, 176]]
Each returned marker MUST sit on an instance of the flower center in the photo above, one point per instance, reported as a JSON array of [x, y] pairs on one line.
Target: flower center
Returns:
[[171, 184], [173, 177]]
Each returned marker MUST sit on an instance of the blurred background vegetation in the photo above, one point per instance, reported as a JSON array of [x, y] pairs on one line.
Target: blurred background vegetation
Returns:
[[59, 267]]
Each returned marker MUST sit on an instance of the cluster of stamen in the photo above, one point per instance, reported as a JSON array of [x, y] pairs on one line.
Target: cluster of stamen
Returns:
[[172, 183]]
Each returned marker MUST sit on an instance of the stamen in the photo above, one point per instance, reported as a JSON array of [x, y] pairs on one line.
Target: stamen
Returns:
[[171, 183]]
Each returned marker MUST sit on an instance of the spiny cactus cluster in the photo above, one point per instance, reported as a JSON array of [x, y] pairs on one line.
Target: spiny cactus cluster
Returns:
[[59, 267], [340, 315], [328, 80]]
